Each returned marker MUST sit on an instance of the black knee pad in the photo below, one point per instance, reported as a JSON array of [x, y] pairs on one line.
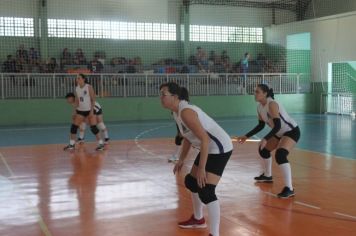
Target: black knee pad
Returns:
[[191, 183], [207, 194], [281, 156], [74, 129], [178, 140], [264, 153], [94, 129]]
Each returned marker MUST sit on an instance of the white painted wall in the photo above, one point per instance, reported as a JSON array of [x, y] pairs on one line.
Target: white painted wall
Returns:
[[332, 40], [19, 8], [160, 11], [320, 8], [237, 16]]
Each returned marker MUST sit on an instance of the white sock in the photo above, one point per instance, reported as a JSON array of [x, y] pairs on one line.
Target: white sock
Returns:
[[197, 206], [214, 217], [268, 167], [101, 126], [177, 152], [71, 142], [262, 166], [287, 175], [82, 130], [101, 142]]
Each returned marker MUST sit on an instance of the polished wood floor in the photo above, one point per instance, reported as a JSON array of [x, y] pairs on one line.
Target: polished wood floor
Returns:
[[130, 190]]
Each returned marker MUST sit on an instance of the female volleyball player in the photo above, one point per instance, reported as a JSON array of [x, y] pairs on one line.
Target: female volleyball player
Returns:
[[184, 95], [201, 132], [85, 102], [284, 135], [98, 113]]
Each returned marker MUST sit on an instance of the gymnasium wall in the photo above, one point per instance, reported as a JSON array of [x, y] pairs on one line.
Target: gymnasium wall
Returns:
[[331, 40], [57, 111]]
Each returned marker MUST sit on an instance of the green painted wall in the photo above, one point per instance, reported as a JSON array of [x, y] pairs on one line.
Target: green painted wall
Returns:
[[298, 61], [56, 111]]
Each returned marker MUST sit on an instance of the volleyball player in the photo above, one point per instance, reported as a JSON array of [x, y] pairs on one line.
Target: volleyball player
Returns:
[[98, 113], [84, 103], [201, 132], [283, 137]]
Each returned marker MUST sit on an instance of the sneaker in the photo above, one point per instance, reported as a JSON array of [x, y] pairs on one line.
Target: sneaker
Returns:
[[173, 158], [80, 140], [68, 147], [264, 179], [192, 223], [106, 141], [100, 147], [286, 193]]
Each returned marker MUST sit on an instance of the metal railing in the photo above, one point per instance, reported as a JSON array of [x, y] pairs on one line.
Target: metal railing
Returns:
[[27, 86], [338, 103]]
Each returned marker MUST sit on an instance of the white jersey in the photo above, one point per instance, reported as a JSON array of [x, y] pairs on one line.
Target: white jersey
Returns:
[[220, 141], [287, 123], [83, 97]]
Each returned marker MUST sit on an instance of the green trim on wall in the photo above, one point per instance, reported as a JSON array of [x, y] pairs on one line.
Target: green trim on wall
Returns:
[[57, 111]]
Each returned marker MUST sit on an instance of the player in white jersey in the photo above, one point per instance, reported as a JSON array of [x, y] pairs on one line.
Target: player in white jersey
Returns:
[[284, 135], [84, 104], [202, 132], [98, 113]]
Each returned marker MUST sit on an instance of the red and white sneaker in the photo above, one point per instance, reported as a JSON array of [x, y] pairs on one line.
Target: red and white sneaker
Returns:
[[193, 223]]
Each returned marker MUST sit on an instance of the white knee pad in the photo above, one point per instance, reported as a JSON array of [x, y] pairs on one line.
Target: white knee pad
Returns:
[[101, 126]]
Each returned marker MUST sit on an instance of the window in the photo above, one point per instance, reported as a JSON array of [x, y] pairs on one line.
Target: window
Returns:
[[205, 33], [110, 30], [14, 26]]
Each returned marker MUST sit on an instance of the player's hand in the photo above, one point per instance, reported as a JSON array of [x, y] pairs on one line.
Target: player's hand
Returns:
[[201, 177], [177, 167], [241, 139], [263, 144]]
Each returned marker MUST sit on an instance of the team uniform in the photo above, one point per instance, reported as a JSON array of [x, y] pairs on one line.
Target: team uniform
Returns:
[[288, 126], [83, 96]]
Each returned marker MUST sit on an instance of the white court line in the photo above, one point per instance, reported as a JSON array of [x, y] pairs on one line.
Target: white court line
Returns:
[[41, 222], [345, 215], [270, 194], [307, 205]]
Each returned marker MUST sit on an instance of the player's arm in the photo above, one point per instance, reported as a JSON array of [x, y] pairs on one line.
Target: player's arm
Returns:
[[274, 113], [92, 98]]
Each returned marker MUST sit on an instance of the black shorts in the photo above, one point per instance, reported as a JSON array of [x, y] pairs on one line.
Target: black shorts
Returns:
[[293, 134], [100, 112], [216, 162], [83, 113]]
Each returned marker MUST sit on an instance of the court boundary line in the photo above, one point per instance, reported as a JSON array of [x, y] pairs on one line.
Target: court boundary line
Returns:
[[41, 222]]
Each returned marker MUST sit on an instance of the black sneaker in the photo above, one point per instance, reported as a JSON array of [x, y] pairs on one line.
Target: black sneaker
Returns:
[[100, 147], [286, 193], [264, 179], [80, 140], [68, 147], [106, 141]]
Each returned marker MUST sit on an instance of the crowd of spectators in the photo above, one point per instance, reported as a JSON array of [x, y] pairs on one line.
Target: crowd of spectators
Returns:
[[29, 61]]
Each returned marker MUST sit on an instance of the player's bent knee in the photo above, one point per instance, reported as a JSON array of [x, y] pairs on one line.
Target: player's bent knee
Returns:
[[191, 183], [74, 129], [94, 129], [264, 153], [281, 156], [207, 193]]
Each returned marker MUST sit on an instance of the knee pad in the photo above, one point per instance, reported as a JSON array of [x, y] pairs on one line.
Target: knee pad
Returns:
[[281, 156], [207, 193], [191, 183], [74, 129], [264, 153], [178, 140], [101, 126], [83, 126], [94, 129]]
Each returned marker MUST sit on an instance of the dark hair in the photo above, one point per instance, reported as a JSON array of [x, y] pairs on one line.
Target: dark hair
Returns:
[[84, 77], [267, 90], [70, 95], [175, 89], [246, 54]]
